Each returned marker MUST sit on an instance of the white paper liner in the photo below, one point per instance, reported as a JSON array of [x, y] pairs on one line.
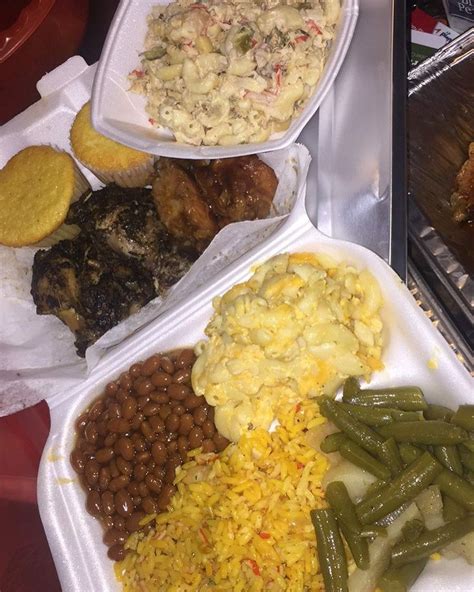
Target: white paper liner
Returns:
[[138, 176], [37, 354]]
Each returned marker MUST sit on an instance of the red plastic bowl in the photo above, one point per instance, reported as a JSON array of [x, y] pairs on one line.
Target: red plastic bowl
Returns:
[[35, 37]]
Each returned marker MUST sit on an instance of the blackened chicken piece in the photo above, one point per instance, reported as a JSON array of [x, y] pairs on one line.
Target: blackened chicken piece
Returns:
[[125, 221], [236, 189], [89, 288], [462, 200], [181, 206]]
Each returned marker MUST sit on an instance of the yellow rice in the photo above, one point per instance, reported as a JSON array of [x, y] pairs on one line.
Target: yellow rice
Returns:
[[246, 525]]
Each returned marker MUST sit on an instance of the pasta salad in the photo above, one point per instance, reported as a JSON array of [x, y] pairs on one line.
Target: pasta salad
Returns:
[[231, 72]]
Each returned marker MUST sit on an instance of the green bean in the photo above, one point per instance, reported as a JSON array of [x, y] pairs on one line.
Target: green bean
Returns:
[[341, 504], [400, 579], [467, 457], [469, 444], [373, 530], [405, 487], [438, 412], [350, 388], [431, 541], [375, 486], [451, 509], [413, 529], [375, 416], [457, 488], [406, 398], [398, 415], [330, 548], [359, 457], [464, 417], [432, 433], [333, 442], [469, 476], [449, 457], [390, 455], [409, 453], [357, 431]]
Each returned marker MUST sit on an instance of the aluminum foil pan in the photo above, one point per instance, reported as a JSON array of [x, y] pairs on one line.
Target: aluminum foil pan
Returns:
[[441, 126]]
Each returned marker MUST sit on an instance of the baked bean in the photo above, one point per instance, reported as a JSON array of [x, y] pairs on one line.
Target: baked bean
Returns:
[[138, 442], [208, 445], [107, 522], [77, 460], [210, 413], [143, 457], [137, 500], [151, 408], [133, 488], [137, 420], [114, 410], [151, 365], [143, 386], [157, 424], [90, 432], [220, 441], [195, 437], [192, 401], [153, 483], [159, 472], [116, 552], [172, 422], [165, 496], [119, 483], [159, 397], [107, 503], [121, 396], [129, 407], [91, 472], [124, 466], [124, 447], [150, 465], [104, 478], [182, 375], [113, 536], [200, 415], [143, 490], [123, 503], [159, 453], [149, 505], [110, 440], [185, 358], [183, 445], [114, 472], [125, 381], [186, 423], [111, 388], [88, 450], [208, 428], [172, 446], [165, 410], [178, 392], [118, 425], [102, 427], [81, 422], [136, 370], [139, 472], [93, 505], [96, 410], [104, 455], [132, 523], [119, 522], [179, 409], [167, 365], [148, 432], [142, 401], [160, 379]]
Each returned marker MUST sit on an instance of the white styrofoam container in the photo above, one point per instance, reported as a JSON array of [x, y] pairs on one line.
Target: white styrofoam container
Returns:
[[121, 115], [415, 353]]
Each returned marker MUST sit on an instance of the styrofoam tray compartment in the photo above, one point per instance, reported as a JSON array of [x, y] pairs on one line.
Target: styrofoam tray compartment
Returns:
[[121, 115], [415, 353]]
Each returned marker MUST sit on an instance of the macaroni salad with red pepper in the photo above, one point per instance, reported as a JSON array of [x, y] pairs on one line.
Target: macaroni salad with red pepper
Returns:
[[230, 72]]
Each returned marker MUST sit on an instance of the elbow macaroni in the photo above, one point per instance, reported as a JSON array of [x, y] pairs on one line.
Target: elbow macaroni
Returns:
[[264, 59]]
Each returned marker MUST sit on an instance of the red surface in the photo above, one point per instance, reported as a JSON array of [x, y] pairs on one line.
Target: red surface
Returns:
[[26, 564]]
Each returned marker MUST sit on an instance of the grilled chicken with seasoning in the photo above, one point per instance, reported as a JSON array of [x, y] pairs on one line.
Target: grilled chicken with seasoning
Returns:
[[462, 200], [122, 259]]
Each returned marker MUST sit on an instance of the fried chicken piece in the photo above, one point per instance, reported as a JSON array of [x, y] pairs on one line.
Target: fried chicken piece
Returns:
[[88, 287], [462, 200], [181, 206], [236, 189]]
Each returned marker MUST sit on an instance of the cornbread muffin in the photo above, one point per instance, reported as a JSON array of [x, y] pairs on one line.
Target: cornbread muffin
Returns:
[[110, 161], [37, 185]]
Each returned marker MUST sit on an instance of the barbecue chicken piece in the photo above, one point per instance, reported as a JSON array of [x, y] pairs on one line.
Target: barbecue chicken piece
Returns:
[[89, 288], [462, 200]]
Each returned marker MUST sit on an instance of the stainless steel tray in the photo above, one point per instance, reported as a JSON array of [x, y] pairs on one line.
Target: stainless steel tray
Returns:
[[441, 125]]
